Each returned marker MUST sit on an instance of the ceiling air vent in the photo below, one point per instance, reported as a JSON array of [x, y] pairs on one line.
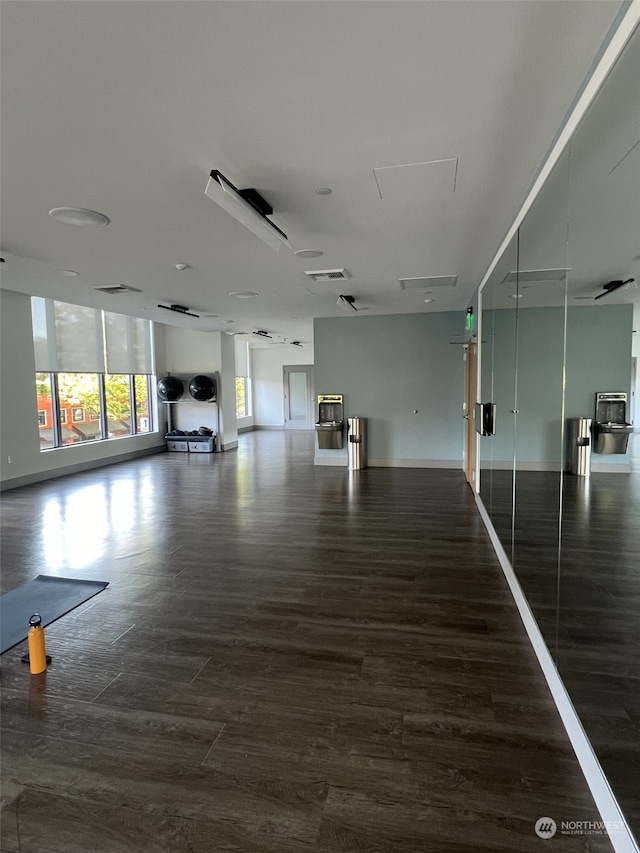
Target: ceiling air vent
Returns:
[[117, 288], [428, 282], [327, 275], [535, 276]]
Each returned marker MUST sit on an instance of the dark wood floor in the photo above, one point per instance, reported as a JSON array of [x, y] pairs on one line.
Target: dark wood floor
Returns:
[[288, 658], [585, 596]]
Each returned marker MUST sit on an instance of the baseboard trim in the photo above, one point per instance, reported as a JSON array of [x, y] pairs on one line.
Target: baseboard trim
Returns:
[[246, 429], [507, 465], [231, 445], [79, 467], [610, 811], [268, 426], [415, 463], [611, 468], [338, 461], [555, 467]]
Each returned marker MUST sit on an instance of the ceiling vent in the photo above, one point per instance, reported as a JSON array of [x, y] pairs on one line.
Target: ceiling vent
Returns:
[[117, 288], [327, 275], [428, 282], [537, 276]]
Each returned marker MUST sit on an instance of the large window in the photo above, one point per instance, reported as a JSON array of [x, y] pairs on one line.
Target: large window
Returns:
[[141, 390], [46, 424], [93, 380], [243, 382]]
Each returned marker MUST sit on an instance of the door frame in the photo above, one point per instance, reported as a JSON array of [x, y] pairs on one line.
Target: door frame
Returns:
[[470, 451]]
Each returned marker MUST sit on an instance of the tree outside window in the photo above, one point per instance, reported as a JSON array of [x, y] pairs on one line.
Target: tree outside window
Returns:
[[117, 391], [141, 392], [80, 392], [241, 397]]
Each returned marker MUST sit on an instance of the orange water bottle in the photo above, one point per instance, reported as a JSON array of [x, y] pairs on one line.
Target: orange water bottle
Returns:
[[37, 651]]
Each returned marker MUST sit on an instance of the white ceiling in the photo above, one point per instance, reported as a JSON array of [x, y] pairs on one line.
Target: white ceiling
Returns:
[[125, 108], [586, 219]]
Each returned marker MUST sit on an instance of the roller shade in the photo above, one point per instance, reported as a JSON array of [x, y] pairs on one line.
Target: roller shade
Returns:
[[74, 339], [242, 357], [67, 338], [127, 344]]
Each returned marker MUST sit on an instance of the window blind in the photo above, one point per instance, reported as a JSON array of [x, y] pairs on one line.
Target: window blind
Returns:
[[75, 339], [242, 357], [127, 344]]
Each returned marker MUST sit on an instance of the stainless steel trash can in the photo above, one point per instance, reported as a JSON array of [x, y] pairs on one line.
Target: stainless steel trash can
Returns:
[[355, 444], [581, 445]]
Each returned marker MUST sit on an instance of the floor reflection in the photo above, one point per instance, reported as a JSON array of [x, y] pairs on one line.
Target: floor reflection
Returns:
[[585, 596]]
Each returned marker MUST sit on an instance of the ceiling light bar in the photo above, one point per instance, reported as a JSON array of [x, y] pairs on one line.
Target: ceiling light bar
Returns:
[[179, 309], [247, 207], [346, 302]]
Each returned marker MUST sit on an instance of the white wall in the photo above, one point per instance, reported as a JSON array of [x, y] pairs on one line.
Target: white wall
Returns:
[[188, 352], [19, 437], [267, 381]]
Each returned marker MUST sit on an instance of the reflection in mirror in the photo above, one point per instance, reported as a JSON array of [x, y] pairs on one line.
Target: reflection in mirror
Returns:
[[568, 514], [599, 614], [498, 386], [542, 283]]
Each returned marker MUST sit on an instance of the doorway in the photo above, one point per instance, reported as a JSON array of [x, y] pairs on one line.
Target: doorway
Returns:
[[470, 435], [299, 410]]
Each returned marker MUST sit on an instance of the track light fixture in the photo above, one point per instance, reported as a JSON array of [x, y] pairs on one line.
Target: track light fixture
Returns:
[[346, 302], [179, 309], [612, 286], [247, 207]]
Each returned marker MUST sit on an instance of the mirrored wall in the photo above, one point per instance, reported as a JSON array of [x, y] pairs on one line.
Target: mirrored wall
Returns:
[[552, 338]]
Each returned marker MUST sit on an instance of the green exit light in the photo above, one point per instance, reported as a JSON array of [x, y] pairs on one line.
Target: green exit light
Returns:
[[469, 320]]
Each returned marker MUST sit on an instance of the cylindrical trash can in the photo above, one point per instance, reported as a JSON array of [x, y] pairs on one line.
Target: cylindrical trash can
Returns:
[[580, 442], [355, 444]]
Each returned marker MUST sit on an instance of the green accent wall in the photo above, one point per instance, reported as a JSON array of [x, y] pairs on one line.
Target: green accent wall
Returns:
[[386, 367], [598, 358]]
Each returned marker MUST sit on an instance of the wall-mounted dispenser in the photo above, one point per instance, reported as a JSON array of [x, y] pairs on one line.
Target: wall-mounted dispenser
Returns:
[[330, 423], [610, 428]]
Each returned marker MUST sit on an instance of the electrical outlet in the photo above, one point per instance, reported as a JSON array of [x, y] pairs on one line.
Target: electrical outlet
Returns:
[[9, 460]]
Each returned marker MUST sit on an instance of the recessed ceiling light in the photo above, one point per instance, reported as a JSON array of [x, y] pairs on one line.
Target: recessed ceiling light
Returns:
[[515, 296], [324, 191], [78, 216], [428, 300], [228, 321], [183, 267], [70, 273], [308, 253], [243, 294]]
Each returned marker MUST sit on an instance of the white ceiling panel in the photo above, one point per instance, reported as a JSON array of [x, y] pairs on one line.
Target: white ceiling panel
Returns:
[[125, 108]]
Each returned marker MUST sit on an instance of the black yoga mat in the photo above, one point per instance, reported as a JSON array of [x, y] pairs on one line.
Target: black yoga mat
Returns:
[[49, 596]]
